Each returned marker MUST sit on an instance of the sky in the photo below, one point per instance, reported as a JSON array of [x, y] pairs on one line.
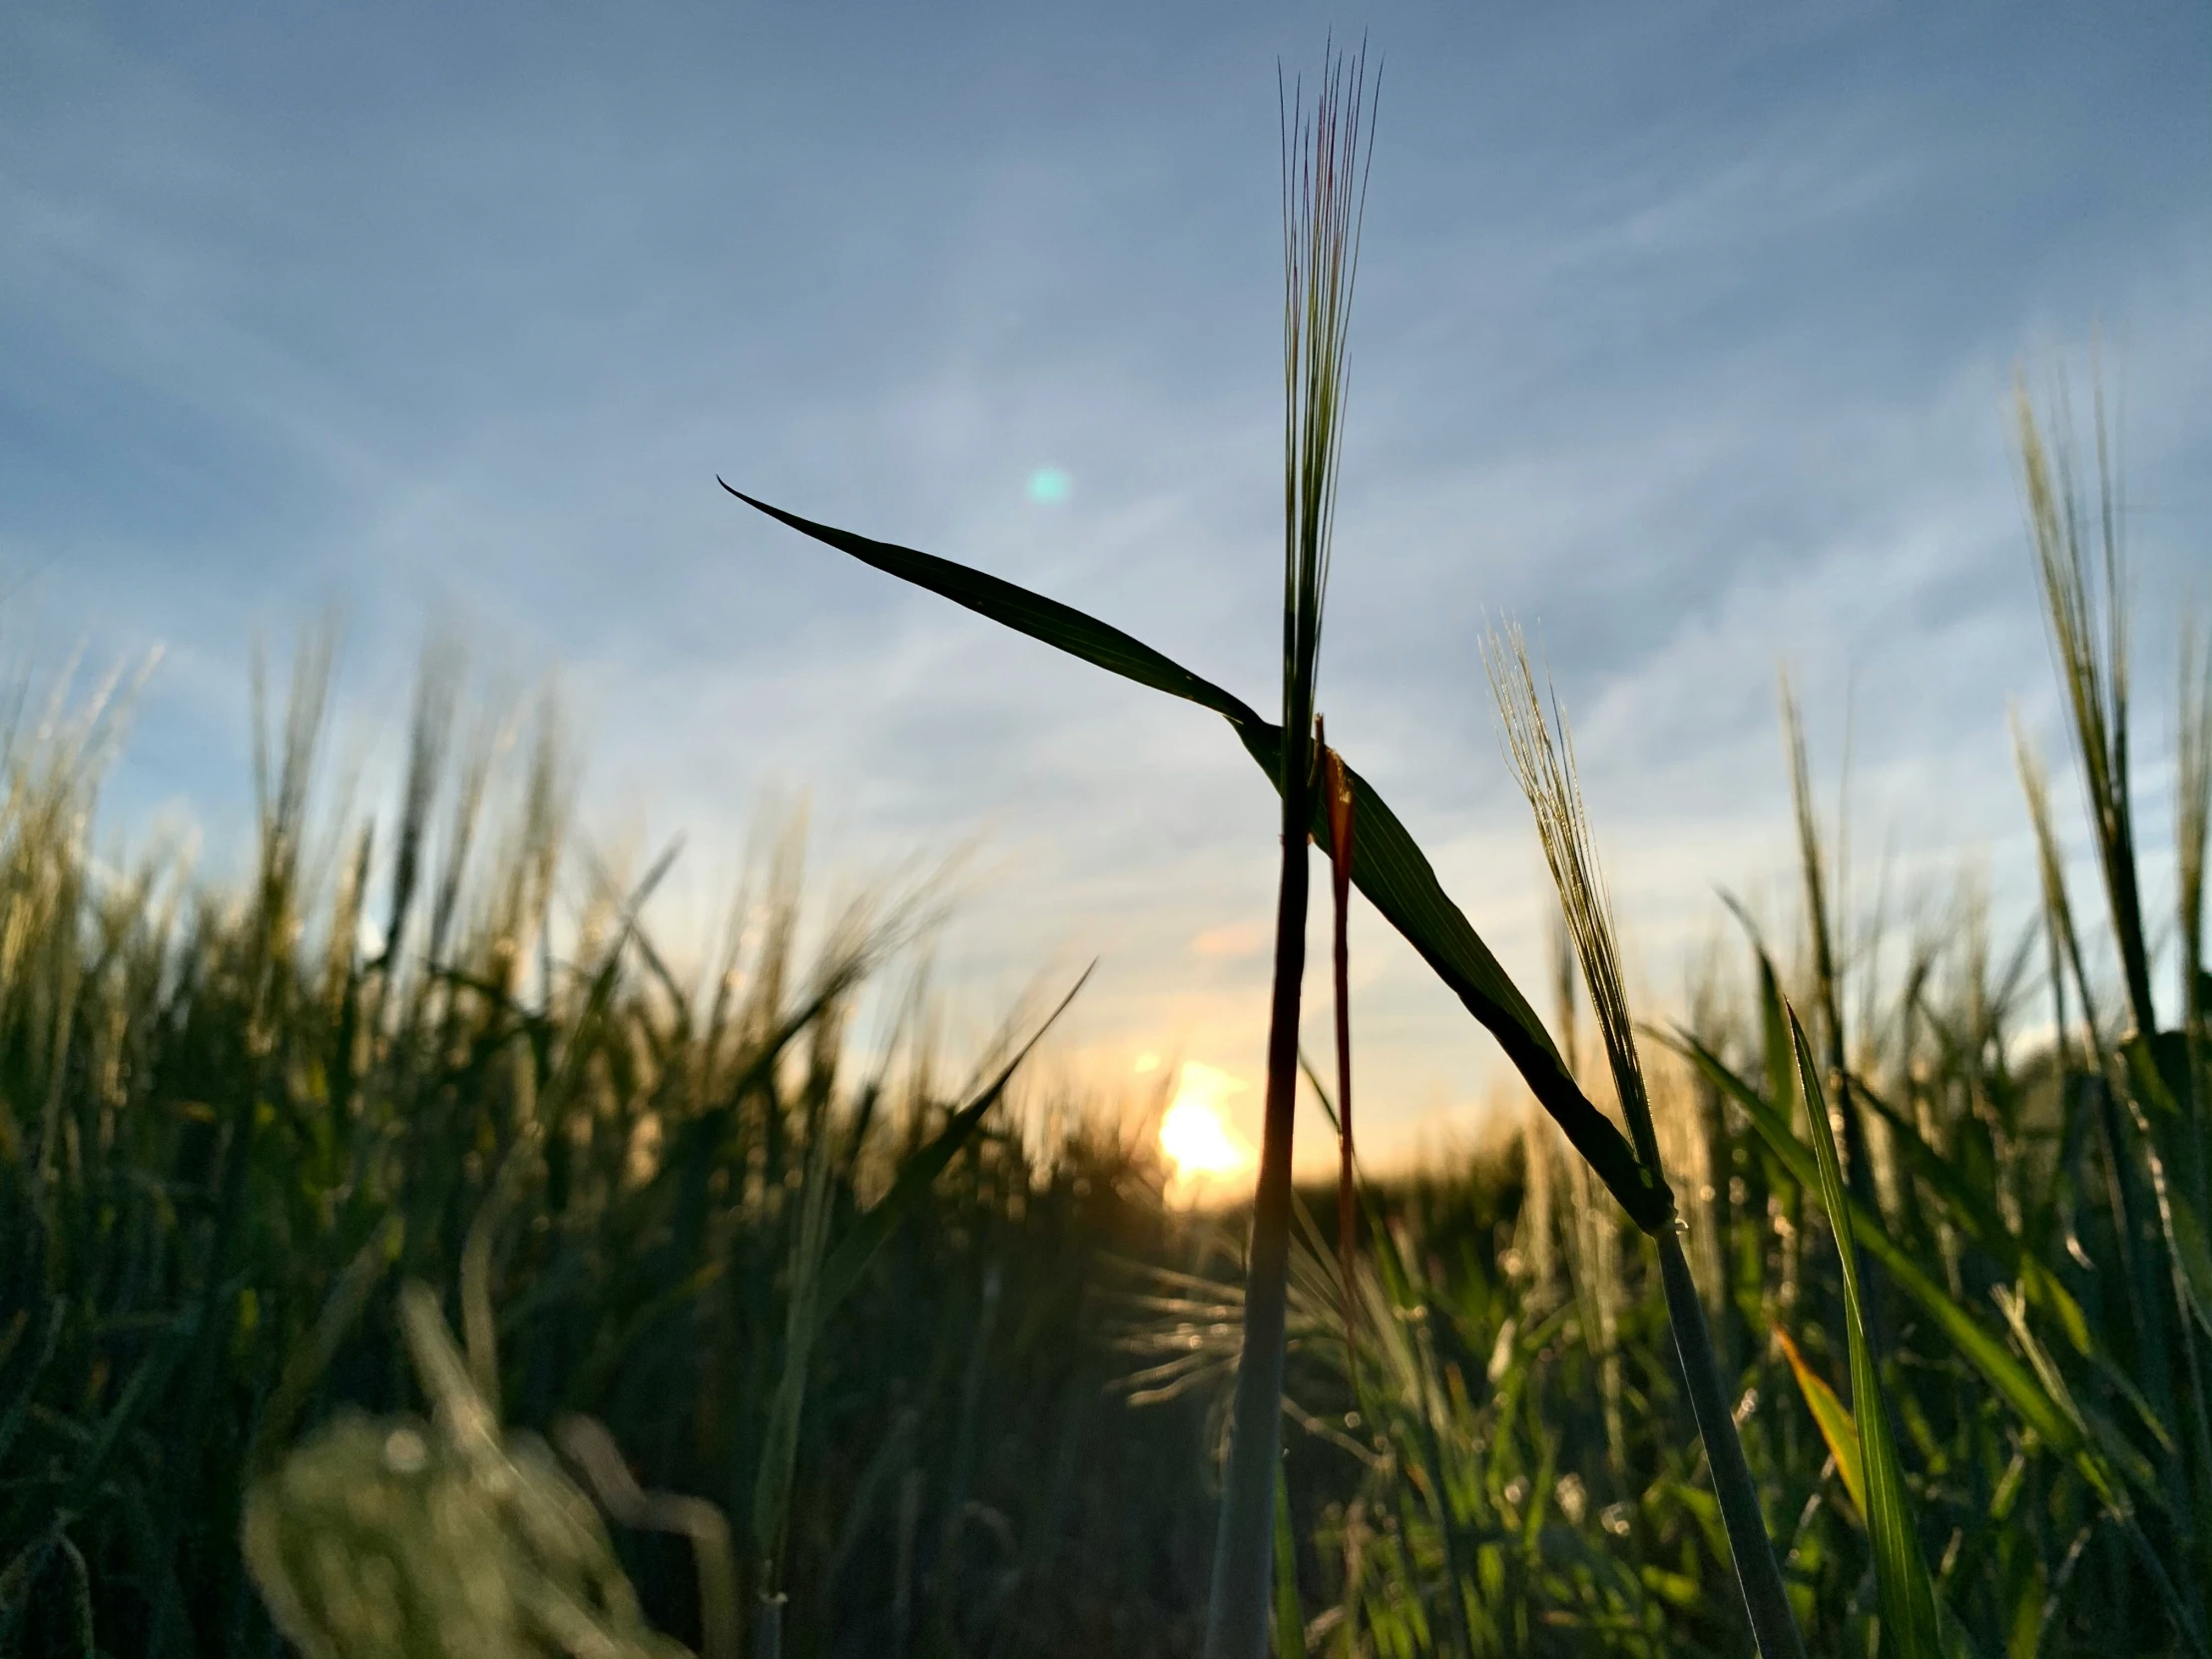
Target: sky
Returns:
[[1683, 333]]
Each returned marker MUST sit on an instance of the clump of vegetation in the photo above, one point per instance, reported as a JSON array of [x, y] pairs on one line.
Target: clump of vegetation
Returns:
[[438, 1049]]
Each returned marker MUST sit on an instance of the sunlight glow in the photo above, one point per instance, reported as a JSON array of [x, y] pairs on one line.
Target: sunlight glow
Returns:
[[1194, 1133]]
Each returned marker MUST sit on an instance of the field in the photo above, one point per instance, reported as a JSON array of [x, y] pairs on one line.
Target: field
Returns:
[[400, 1256], [236, 1121]]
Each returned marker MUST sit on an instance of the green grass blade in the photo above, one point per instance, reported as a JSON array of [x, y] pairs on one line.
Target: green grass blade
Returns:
[[772, 1484], [12, 1415], [1977, 1215], [1775, 1030], [1909, 1625], [1840, 1434], [821, 1280], [1388, 865], [843, 1268], [2192, 1257], [2085, 612], [1061, 626], [311, 1355], [1542, 753], [1974, 1341], [1290, 1623]]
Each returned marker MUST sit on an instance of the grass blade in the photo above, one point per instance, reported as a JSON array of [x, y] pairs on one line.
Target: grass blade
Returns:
[[1290, 1623], [1833, 1418], [1909, 1624], [1546, 773], [2085, 607], [843, 1268], [305, 1365], [772, 1486], [591, 1449], [2193, 817], [821, 1280], [1818, 885], [1974, 1341]]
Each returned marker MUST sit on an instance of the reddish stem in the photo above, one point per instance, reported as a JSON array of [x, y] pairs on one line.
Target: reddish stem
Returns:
[[1338, 791]]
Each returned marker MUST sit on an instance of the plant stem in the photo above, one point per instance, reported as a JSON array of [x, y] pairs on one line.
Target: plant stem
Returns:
[[1237, 1614], [1338, 802], [1320, 218], [1757, 1575]]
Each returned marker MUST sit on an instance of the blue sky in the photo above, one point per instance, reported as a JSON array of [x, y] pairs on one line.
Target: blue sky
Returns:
[[1683, 333]]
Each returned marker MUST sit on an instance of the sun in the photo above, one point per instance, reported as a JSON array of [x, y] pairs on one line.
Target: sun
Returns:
[[1193, 1132]]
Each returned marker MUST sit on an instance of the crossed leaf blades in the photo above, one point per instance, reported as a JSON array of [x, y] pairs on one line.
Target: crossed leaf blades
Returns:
[[1388, 867]]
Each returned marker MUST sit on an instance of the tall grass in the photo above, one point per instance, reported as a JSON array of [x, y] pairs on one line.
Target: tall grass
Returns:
[[1492, 1469], [2038, 1467], [1320, 218], [436, 1046], [1545, 767], [1319, 237], [843, 1353], [2007, 1462]]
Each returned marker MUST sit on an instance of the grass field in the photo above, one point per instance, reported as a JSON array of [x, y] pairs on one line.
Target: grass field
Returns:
[[237, 1120], [400, 1257]]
